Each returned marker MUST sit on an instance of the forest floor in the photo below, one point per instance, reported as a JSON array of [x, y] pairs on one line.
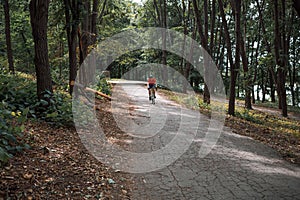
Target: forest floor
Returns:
[[58, 166]]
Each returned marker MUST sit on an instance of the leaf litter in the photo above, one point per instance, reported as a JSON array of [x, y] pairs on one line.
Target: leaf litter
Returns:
[[59, 167]]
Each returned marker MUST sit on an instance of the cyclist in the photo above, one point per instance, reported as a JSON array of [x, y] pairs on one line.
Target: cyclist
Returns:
[[151, 84]]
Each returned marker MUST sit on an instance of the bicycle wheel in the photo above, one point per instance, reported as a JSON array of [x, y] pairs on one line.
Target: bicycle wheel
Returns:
[[153, 99]]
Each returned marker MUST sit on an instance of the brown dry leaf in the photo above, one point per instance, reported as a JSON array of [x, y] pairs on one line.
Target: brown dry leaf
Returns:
[[27, 176], [67, 170]]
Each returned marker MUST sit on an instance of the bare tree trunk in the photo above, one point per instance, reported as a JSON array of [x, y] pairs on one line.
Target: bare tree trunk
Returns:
[[8, 37], [39, 20]]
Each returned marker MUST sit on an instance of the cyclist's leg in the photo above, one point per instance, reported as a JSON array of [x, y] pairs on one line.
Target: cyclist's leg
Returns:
[[149, 91]]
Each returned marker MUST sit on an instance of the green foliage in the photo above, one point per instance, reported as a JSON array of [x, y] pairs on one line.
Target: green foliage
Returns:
[[103, 86], [57, 111], [11, 129], [18, 101], [247, 115], [17, 91], [16, 96]]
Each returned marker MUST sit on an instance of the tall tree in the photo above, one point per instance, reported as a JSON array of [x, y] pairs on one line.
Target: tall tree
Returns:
[[204, 42], [242, 46], [39, 21], [233, 70], [281, 53], [238, 37], [95, 16], [163, 6], [72, 14], [8, 37]]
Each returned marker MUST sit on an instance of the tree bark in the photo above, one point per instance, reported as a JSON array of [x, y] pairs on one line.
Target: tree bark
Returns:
[[204, 43], [164, 40], [281, 61], [233, 73], [241, 43], [72, 15], [94, 18], [8, 37], [39, 20]]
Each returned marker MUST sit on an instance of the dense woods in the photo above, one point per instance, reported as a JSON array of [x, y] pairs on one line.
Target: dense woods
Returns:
[[255, 43]]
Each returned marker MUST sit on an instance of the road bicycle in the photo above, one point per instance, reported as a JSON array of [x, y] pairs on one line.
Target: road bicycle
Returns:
[[152, 95]]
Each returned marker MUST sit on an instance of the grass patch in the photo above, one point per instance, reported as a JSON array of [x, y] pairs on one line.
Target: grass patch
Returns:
[[256, 118], [275, 106]]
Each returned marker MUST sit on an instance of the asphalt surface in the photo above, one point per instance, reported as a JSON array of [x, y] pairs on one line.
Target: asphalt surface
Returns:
[[237, 167]]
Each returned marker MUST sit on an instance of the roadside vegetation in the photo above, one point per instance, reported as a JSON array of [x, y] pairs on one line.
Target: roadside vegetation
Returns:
[[265, 125]]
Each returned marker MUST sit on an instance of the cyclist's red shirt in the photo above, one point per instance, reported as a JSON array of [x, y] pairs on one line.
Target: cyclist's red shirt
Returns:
[[151, 80]]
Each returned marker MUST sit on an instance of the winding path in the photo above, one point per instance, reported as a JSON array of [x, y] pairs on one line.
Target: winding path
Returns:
[[236, 168]]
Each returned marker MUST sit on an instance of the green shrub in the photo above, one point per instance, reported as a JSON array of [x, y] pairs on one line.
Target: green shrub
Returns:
[[247, 115], [11, 129], [103, 86], [58, 111], [18, 100]]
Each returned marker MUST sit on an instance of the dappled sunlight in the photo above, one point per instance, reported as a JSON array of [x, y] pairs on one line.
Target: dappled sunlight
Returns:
[[257, 163]]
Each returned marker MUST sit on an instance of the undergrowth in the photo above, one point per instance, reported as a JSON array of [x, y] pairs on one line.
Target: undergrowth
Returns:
[[18, 102]]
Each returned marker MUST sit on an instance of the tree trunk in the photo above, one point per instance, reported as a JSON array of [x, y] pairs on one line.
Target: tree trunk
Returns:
[[94, 18], [163, 7], [233, 73], [188, 64], [72, 12], [8, 37], [272, 88], [204, 43], [241, 44], [187, 68], [281, 61], [271, 70], [39, 20], [206, 63], [158, 13], [293, 75]]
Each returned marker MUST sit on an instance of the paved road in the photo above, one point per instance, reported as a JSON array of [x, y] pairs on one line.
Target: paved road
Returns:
[[236, 168]]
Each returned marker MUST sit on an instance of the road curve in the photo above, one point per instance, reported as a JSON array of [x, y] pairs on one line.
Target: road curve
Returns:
[[237, 167]]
